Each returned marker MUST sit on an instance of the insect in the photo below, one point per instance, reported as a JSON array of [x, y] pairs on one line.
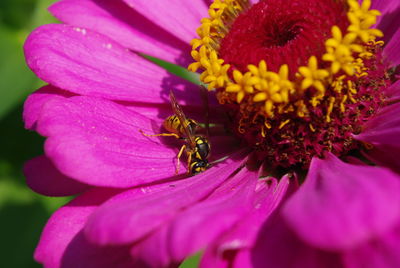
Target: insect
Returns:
[[197, 147]]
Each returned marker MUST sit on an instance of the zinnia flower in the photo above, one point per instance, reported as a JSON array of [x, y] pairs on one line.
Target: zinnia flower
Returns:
[[304, 103]]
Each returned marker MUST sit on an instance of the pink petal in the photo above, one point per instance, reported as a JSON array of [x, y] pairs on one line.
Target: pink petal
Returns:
[[181, 18], [380, 253], [44, 178], [383, 128], [278, 247], [393, 92], [143, 215], [385, 6], [389, 20], [62, 244], [81, 253], [382, 132], [209, 260], [118, 21], [244, 234], [98, 142], [34, 103], [391, 50], [213, 216], [170, 239], [341, 205], [385, 136], [153, 250], [385, 155], [236, 259], [88, 63], [243, 259]]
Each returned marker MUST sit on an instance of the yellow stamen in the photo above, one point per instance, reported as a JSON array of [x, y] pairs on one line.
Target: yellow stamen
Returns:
[[330, 108], [263, 132], [342, 107], [344, 57], [284, 123]]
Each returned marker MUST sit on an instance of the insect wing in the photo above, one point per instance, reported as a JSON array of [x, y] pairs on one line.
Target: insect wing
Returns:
[[182, 118], [204, 97]]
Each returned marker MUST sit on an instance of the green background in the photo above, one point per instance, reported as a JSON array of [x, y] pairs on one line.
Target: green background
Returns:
[[23, 213]]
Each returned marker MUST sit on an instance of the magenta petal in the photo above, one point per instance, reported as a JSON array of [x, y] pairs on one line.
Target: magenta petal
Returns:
[[121, 23], [181, 18], [385, 136], [382, 253], [224, 207], [98, 142], [153, 251], [393, 92], [244, 234], [389, 21], [385, 6], [278, 247], [34, 103], [209, 260], [142, 214], [243, 259], [385, 155], [382, 131], [88, 63], [213, 216], [81, 253], [237, 259], [382, 128], [341, 205], [44, 178], [392, 48], [61, 243]]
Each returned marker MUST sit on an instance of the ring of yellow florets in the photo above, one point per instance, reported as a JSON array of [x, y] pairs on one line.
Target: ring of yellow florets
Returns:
[[275, 91]]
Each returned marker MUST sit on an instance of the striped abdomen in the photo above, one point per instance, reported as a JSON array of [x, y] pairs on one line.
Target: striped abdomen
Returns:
[[174, 125]]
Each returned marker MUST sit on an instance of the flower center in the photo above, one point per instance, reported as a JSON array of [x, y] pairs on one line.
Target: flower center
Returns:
[[281, 32], [298, 78]]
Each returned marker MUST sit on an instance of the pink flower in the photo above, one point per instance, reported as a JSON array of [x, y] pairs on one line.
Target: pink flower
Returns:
[[324, 138]]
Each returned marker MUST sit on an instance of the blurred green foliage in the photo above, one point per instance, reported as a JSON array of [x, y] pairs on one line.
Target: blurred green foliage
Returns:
[[22, 212]]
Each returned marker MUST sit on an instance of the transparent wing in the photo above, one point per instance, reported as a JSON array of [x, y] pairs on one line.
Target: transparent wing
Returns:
[[204, 97], [182, 118]]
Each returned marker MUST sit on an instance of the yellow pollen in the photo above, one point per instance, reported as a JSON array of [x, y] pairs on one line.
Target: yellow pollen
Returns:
[[367, 145], [342, 107], [263, 132], [330, 108], [284, 123], [267, 125], [301, 108], [327, 79]]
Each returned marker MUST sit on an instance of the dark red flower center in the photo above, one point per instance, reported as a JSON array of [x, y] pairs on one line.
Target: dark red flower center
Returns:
[[297, 78], [282, 32]]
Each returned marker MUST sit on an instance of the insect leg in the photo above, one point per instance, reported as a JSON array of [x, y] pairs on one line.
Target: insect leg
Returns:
[[189, 161], [158, 135], [179, 156]]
